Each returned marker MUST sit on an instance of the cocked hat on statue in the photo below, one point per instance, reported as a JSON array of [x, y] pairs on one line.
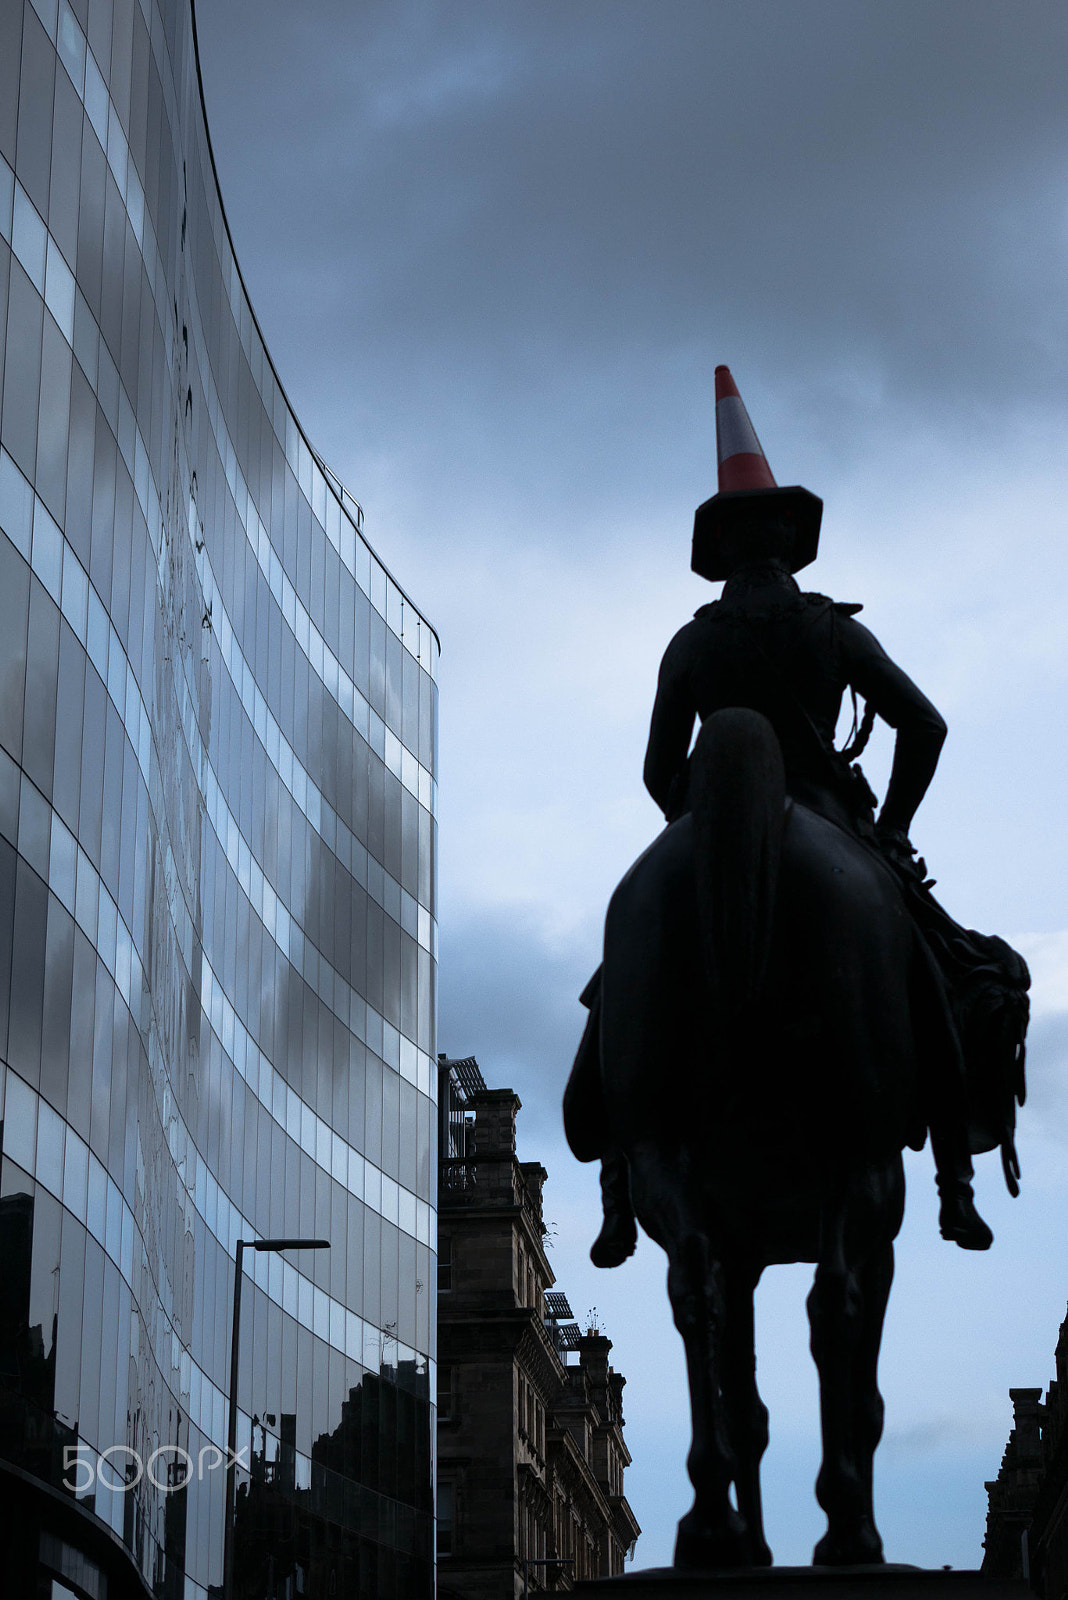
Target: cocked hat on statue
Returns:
[[745, 485]]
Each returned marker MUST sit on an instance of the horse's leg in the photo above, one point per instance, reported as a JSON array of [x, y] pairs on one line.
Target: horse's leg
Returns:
[[712, 1533], [837, 1315], [669, 1206], [876, 1279], [747, 1416]]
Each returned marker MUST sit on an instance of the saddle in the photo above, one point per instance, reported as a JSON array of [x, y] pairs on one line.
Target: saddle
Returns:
[[986, 983]]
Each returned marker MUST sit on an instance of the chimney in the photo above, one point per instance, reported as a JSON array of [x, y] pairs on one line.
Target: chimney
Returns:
[[495, 1113]]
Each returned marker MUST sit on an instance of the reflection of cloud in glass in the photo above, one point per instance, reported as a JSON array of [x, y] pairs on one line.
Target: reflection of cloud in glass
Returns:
[[192, 631]]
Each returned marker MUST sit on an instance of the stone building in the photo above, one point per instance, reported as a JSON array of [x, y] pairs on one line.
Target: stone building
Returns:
[[1027, 1519], [530, 1418]]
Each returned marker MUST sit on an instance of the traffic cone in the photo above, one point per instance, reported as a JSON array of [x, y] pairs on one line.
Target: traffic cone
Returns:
[[746, 481], [742, 462]]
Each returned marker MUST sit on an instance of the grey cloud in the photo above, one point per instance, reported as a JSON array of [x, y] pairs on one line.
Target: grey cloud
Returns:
[[511, 1000], [523, 220], [496, 248], [1047, 1075], [933, 1434]]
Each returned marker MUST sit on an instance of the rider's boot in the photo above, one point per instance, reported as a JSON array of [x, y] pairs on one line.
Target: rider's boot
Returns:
[[958, 1220], [619, 1233]]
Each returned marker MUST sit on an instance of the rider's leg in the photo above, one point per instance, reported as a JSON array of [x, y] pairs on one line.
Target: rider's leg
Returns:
[[958, 1220], [619, 1233], [947, 1118], [585, 1124]]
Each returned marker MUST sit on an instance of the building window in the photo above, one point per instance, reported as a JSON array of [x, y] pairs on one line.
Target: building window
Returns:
[[445, 1264], [446, 1393], [445, 1519]]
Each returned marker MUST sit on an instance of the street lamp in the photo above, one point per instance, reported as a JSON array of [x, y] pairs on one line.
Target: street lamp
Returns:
[[231, 1465]]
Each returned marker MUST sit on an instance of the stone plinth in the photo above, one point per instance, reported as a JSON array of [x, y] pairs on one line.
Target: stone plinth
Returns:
[[803, 1583]]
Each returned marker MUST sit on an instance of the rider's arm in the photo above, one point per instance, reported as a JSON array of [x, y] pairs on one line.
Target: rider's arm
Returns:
[[671, 726], [921, 731]]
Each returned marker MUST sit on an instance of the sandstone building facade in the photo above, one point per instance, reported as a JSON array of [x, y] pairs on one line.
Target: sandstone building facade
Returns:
[[1027, 1519], [531, 1452]]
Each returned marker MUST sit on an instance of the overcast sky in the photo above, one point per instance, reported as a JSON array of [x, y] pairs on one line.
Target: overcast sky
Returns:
[[496, 248]]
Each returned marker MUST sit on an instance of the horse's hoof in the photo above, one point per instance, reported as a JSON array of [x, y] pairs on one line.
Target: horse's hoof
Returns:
[[860, 1547], [697, 1545], [760, 1553]]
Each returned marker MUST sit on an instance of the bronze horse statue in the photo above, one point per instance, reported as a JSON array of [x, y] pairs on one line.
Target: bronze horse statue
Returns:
[[781, 1009], [771, 989]]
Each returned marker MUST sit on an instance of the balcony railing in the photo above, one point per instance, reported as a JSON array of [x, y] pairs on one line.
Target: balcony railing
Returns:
[[477, 1180]]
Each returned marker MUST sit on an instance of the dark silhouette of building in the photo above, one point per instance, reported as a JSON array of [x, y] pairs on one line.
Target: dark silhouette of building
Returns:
[[530, 1415], [1027, 1519], [217, 782]]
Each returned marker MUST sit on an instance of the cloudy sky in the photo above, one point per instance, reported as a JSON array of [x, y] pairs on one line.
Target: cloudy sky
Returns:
[[497, 248]]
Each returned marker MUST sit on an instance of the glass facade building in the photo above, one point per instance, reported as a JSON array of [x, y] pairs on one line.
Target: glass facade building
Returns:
[[217, 935]]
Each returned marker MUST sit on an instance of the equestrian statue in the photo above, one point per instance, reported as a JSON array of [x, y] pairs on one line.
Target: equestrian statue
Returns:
[[783, 1006]]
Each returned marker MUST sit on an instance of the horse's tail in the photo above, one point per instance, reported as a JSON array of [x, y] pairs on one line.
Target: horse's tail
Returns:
[[737, 794]]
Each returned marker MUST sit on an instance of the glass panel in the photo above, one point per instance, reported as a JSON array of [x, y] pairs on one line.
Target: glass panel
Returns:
[[20, 1123], [35, 112], [14, 608], [22, 370], [65, 182]]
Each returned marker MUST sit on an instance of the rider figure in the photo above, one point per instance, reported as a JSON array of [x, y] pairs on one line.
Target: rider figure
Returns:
[[790, 655]]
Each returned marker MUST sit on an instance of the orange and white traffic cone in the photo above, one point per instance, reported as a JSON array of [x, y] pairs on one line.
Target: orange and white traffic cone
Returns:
[[746, 484], [741, 459]]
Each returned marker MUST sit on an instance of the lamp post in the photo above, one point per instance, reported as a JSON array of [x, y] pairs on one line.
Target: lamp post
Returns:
[[231, 1465]]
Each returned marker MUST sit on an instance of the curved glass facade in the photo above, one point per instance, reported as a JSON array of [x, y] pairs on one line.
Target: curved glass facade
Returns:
[[217, 935]]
